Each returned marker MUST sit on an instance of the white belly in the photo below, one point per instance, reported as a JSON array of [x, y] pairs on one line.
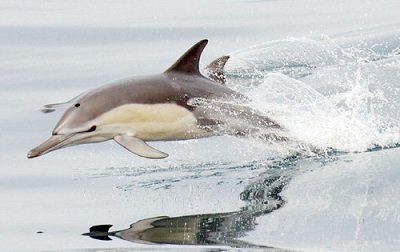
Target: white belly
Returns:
[[151, 122]]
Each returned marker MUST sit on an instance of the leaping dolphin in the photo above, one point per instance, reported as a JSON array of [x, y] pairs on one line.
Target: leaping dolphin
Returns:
[[177, 104]]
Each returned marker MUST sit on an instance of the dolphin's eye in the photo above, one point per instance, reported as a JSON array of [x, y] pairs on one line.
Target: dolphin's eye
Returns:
[[77, 105], [93, 128]]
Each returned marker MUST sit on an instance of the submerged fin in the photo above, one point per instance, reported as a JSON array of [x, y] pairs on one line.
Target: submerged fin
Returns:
[[189, 61], [215, 70], [139, 147]]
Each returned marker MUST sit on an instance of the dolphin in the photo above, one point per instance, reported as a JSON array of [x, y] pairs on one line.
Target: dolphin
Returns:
[[178, 104], [200, 229]]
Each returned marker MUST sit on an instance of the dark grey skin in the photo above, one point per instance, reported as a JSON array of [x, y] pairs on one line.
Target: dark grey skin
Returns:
[[211, 104]]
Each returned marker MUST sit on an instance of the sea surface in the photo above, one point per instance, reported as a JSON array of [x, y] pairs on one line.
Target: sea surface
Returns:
[[327, 71]]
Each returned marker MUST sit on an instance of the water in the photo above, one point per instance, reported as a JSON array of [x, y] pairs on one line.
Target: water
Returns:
[[328, 72]]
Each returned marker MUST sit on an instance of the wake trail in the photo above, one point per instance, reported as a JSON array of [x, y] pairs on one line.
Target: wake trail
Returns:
[[331, 93]]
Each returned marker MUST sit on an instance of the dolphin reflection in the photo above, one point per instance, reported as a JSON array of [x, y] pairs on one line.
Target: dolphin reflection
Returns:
[[209, 229]]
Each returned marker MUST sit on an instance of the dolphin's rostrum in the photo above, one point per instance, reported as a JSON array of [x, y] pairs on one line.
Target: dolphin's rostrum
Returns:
[[179, 103]]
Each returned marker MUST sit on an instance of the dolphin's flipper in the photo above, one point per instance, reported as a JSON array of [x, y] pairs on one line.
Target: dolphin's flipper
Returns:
[[215, 70], [48, 108], [139, 147]]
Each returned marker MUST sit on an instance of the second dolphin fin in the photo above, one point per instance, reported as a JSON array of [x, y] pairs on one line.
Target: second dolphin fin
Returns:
[[215, 70]]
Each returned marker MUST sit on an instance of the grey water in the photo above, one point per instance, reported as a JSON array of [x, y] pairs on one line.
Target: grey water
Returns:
[[327, 70]]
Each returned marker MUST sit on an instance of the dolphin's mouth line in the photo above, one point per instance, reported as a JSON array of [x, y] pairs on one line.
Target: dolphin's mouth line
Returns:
[[93, 128], [63, 141], [53, 143], [58, 141]]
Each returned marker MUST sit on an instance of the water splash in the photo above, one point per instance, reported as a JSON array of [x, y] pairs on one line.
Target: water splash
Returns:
[[327, 93]]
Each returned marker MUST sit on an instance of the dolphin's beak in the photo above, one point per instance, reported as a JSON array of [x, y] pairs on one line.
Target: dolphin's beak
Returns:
[[53, 143]]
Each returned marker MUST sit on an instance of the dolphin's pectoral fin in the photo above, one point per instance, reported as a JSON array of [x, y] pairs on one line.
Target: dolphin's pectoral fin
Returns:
[[215, 70], [139, 147]]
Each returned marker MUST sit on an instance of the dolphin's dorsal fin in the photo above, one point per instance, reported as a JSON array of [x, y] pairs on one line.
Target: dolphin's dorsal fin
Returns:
[[215, 70], [189, 61]]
